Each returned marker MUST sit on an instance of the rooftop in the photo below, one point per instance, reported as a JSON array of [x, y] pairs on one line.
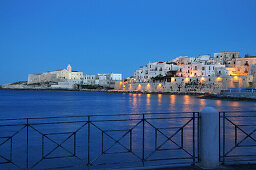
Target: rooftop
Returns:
[[249, 56]]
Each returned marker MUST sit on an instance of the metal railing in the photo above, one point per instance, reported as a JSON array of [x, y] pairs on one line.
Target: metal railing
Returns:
[[237, 137], [105, 141]]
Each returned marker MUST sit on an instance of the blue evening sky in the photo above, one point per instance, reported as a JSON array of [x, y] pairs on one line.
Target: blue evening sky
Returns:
[[103, 36]]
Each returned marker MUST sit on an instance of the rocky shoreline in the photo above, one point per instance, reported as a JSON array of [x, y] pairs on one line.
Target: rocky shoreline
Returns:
[[226, 97], [199, 95], [104, 90]]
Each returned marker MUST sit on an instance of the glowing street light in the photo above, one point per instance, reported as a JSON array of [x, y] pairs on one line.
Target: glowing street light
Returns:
[[219, 79]]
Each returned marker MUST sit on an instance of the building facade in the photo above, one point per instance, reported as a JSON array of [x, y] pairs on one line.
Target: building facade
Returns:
[[195, 74], [62, 75], [104, 80]]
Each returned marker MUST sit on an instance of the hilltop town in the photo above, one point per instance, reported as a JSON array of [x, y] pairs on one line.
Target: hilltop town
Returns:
[[202, 74]]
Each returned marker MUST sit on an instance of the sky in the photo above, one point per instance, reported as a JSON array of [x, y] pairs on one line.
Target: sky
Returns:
[[119, 36]]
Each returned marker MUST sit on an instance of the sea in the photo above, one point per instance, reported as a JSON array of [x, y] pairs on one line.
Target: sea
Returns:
[[20, 104], [56, 132]]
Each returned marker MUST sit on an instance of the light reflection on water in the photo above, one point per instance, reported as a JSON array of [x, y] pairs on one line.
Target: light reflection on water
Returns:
[[172, 102], [218, 102], [159, 100], [202, 103], [49, 103], [235, 104], [148, 102]]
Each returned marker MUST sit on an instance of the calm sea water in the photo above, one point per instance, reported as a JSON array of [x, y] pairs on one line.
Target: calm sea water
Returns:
[[43, 149], [14, 104]]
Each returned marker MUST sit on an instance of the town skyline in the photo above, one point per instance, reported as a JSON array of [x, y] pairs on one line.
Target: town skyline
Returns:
[[183, 74], [124, 75], [113, 36]]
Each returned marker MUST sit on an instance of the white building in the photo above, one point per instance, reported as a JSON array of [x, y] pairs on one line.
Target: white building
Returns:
[[182, 66], [200, 69], [147, 72], [226, 58], [105, 80]]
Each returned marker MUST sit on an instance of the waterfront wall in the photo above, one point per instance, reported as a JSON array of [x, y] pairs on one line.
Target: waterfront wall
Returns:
[[240, 94], [208, 84]]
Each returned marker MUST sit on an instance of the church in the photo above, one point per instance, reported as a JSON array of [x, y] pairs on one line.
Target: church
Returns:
[[62, 75]]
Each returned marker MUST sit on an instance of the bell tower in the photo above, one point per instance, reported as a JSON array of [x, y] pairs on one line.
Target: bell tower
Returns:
[[69, 68]]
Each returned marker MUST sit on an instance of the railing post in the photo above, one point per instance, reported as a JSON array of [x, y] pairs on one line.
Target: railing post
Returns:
[[223, 142], [130, 140], [235, 136], [155, 139], [193, 138], [88, 143], [219, 138], [11, 150], [42, 146], [27, 143], [74, 143], [209, 138], [143, 138], [102, 142], [198, 137], [181, 137]]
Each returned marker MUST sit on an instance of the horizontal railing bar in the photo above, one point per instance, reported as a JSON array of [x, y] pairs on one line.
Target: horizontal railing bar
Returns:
[[233, 156], [169, 113], [60, 167], [246, 146], [114, 120], [13, 125], [171, 127], [240, 111], [246, 160], [133, 114], [56, 157], [110, 153], [5, 162], [110, 120], [115, 130], [165, 159], [160, 166], [47, 123], [239, 116], [58, 133], [114, 163], [170, 118], [5, 137], [171, 149], [109, 115]]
